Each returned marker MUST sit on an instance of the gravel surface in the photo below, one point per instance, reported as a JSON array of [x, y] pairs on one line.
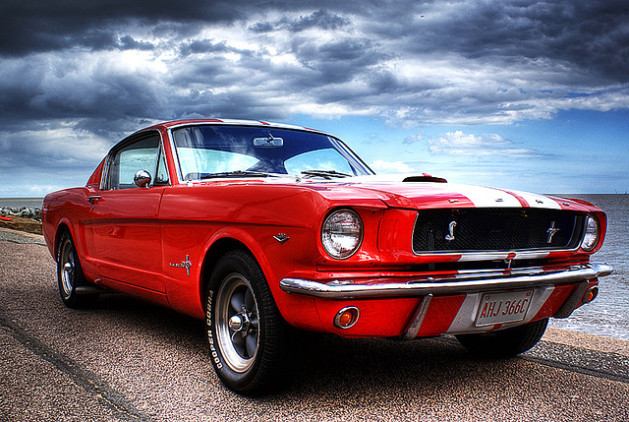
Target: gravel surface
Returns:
[[20, 237], [126, 360]]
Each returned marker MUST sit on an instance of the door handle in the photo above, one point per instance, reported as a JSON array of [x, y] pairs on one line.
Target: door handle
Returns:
[[92, 199]]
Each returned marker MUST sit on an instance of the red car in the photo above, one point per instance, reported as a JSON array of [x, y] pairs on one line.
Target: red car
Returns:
[[252, 226]]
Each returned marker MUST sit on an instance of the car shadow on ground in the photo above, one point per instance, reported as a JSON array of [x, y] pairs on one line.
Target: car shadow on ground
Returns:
[[323, 365]]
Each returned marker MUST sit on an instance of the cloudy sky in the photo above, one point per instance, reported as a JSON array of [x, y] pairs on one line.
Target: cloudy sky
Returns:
[[512, 93]]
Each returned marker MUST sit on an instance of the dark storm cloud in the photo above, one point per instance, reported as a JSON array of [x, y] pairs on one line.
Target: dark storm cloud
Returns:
[[40, 25], [28, 149], [592, 36], [128, 43], [93, 71], [203, 46], [335, 61], [321, 19], [65, 88], [571, 44]]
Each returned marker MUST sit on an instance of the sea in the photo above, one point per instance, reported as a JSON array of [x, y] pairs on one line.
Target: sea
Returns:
[[608, 315], [21, 202]]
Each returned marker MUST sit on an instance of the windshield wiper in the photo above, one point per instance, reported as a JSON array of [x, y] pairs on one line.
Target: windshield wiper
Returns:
[[326, 174], [236, 173]]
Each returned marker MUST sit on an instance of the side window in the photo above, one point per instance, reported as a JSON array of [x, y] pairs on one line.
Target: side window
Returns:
[[140, 155], [162, 171]]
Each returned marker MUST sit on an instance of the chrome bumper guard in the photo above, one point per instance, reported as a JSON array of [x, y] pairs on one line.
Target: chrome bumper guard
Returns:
[[463, 283]]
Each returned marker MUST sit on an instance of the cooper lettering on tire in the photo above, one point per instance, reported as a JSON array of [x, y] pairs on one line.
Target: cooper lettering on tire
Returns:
[[246, 333]]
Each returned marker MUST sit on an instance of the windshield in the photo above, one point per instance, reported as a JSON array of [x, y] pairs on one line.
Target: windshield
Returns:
[[207, 151]]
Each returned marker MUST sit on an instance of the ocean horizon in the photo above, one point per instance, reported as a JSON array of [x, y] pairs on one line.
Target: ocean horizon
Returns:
[[28, 202]]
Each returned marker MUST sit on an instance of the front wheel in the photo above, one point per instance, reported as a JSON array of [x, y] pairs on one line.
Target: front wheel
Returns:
[[505, 343], [246, 333]]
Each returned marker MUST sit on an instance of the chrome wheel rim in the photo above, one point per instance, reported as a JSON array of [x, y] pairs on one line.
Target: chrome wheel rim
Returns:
[[237, 324], [67, 264]]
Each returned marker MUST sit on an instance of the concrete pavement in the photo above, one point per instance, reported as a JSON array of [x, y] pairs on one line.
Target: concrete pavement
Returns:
[[131, 361]]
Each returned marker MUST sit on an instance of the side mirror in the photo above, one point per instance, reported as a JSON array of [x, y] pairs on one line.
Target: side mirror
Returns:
[[142, 179]]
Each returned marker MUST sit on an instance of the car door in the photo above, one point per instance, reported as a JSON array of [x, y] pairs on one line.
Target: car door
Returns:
[[126, 230]]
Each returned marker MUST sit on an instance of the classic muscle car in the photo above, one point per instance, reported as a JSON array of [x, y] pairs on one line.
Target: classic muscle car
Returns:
[[255, 227]]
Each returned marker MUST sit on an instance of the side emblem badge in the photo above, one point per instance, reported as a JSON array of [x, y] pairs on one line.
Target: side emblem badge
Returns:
[[183, 264], [281, 237], [552, 231], [450, 236]]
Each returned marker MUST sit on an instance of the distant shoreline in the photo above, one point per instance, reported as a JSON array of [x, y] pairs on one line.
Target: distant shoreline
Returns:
[[29, 202], [33, 198]]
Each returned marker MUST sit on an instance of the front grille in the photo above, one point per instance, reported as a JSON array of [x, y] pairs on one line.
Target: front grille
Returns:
[[500, 229]]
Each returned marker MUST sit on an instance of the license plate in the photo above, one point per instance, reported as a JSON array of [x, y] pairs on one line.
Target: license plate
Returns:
[[501, 308]]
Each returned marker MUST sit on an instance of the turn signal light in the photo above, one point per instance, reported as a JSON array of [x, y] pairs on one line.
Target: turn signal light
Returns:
[[590, 295], [346, 317]]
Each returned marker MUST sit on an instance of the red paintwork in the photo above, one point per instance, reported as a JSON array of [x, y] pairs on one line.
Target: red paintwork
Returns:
[[559, 295], [441, 314], [128, 238]]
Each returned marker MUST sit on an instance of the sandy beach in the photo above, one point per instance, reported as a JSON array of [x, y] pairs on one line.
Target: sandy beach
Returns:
[[21, 224]]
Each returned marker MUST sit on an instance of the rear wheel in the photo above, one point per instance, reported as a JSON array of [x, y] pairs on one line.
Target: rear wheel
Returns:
[[246, 333], [505, 343], [69, 274]]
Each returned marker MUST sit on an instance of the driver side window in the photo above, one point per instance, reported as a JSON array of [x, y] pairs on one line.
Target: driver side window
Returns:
[[139, 155]]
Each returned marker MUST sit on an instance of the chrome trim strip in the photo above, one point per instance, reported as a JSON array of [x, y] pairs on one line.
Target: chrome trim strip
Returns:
[[175, 155], [134, 137], [337, 318], [89, 290], [239, 122], [418, 318], [342, 148], [226, 122], [497, 273], [413, 287]]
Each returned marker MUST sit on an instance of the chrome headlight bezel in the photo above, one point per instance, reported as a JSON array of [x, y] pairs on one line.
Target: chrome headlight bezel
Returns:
[[592, 233], [342, 233]]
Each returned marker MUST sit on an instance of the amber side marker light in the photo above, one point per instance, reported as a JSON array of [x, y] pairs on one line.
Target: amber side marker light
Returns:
[[346, 317], [590, 294]]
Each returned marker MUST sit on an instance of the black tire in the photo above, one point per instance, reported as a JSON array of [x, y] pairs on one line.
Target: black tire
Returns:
[[506, 343], [246, 333], [70, 275]]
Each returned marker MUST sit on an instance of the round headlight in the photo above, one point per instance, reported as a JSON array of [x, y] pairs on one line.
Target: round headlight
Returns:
[[592, 234], [342, 233]]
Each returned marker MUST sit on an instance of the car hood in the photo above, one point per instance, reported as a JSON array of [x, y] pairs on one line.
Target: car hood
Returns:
[[402, 191]]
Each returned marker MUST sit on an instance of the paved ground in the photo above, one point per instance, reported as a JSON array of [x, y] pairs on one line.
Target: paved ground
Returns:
[[130, 361]]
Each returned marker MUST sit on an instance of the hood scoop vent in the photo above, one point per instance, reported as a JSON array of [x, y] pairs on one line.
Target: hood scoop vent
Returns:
[[425, 178]]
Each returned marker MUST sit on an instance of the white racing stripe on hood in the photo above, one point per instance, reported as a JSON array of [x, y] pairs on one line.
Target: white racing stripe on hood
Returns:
[[486, 197], [482, 197], [538, 201]]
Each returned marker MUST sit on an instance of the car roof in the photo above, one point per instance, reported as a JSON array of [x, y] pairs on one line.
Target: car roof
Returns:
[[233, 122]]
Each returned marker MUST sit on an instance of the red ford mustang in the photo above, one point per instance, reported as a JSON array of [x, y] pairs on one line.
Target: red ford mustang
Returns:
[[252, 226]]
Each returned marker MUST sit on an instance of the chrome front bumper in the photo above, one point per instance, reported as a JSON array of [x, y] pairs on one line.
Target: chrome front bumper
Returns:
[[462, 283]]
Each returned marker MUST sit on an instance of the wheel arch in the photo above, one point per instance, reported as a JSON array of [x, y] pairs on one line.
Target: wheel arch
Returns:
[[219, 247], [213, 254], [62, 227]]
